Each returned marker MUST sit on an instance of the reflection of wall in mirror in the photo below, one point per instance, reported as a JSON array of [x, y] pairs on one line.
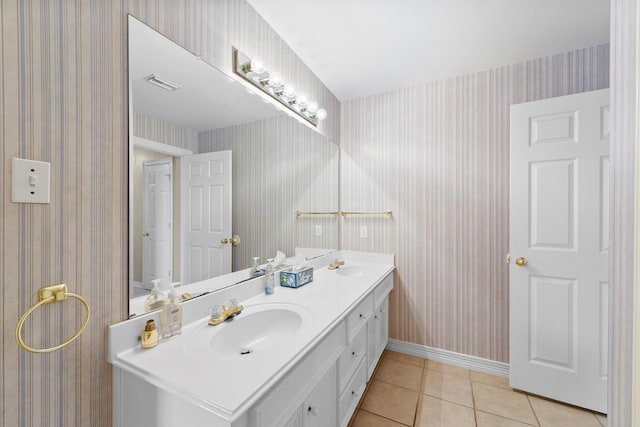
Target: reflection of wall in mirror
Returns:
[[279, 166]]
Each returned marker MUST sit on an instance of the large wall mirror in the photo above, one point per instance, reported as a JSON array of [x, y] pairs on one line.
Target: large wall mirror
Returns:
[[216, 173]]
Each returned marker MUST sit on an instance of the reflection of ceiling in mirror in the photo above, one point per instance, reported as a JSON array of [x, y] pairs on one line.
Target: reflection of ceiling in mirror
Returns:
[[207, 99]]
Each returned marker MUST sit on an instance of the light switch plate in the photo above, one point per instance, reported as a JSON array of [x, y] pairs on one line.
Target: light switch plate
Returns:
[[318, 230], [30, 181], [363, 232]]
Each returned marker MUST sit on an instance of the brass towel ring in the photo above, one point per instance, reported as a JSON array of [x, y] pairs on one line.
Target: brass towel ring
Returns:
[[47, 295]]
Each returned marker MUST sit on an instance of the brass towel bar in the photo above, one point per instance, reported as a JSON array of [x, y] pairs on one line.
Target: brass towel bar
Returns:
[[300, 213], [388, 213]]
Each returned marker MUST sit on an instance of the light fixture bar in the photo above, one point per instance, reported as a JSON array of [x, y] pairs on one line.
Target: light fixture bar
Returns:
[[255, 72]]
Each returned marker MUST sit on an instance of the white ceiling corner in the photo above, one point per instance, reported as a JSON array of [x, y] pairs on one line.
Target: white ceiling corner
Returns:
[[363, 47]]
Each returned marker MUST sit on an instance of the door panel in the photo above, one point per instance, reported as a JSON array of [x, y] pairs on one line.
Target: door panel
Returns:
[[207, 229], [157, 221], [559, 224]]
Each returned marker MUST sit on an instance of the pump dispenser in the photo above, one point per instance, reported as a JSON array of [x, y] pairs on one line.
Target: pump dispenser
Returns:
[[171, 315], [269, 280], [156, 299]]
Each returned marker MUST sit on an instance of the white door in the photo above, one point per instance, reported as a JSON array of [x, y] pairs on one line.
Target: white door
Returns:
[[559, 225], [206, 215], [157, 221]]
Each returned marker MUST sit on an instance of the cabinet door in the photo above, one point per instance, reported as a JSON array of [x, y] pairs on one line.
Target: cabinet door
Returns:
[[295, 420], [319, 409], [377, 335]]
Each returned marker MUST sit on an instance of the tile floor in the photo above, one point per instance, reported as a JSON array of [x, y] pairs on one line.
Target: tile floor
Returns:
[[409, 391]]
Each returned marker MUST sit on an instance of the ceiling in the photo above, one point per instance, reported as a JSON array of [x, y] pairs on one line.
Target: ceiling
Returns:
[[363, 47]]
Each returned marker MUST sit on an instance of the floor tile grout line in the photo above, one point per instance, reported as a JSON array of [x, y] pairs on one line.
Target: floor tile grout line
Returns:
[[386, 418], [532, 409], [419, 404], [506, 418]]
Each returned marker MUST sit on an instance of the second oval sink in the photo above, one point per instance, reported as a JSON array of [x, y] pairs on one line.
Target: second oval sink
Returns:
[[349, 271], [259, 328]]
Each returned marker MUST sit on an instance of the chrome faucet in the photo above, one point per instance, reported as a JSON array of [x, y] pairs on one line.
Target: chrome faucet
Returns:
[[220, 313], [335, 264]]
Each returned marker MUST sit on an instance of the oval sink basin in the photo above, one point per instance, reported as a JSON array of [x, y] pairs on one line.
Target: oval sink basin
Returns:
[[258, 329], [349, 271]]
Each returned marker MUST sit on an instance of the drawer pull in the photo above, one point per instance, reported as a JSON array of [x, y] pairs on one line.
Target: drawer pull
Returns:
[[313, 410]]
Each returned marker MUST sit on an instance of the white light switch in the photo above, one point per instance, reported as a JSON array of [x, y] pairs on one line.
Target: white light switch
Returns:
[[363, 231], [30, 181], [318, 230]]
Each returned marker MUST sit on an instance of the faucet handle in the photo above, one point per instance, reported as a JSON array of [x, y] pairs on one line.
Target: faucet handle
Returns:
[[216, 311]]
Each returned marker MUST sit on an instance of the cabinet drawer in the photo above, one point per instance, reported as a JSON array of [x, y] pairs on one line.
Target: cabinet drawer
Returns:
[[352, 355], [383, 289], [358, 317], [351, 395]]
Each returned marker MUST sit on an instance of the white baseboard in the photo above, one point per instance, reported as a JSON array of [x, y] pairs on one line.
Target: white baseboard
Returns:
[[480, 364]]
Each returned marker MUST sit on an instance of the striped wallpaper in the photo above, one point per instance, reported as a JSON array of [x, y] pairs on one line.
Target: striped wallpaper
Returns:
[[437, 154], [64, 100]]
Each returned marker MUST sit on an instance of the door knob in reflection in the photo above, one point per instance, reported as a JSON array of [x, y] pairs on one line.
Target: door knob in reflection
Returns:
[[521, 261], [145, 234], [235, 240]]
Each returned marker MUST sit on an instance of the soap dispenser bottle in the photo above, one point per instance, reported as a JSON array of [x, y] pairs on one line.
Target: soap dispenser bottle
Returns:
[[269, 283], [171, 315], [156, 299]]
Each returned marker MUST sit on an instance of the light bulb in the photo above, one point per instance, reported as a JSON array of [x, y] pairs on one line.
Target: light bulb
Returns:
[[257, 65], [312, 107], [301, 99], [275, 80], [321, 114], [289, 90]]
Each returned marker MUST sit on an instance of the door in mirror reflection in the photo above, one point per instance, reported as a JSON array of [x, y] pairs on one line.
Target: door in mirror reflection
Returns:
[[157, 221], [206, 204]]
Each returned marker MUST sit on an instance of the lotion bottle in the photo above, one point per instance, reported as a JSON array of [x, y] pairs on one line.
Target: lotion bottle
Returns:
[[171, 315], [149, 337]]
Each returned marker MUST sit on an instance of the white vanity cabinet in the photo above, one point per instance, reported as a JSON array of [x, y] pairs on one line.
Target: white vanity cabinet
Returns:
[[367, 336], [314, 378]]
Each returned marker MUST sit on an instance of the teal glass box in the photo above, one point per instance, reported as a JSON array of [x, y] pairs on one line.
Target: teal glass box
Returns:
[[295, 279]]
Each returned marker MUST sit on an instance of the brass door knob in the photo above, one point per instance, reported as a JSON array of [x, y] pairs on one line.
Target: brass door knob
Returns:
[[145, 234], [521, 261], [235, 240], [224, 241]]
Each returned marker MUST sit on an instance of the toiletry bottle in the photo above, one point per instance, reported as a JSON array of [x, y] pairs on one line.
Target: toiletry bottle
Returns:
[[156, 299], [269, 281], [149, 337], [255, 269], [171, 315]]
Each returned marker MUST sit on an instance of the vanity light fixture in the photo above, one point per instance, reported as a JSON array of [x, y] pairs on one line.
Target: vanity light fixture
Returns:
[[255, 72], [163, 83]]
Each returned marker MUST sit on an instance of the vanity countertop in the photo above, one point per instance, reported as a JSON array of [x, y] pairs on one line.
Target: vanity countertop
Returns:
[[228, 385]]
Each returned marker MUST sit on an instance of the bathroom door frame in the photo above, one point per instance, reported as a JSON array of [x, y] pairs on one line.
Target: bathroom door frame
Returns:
[[147, 144]]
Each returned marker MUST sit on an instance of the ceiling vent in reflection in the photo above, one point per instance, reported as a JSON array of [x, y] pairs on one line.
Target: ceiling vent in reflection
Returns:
[[163, 83]]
